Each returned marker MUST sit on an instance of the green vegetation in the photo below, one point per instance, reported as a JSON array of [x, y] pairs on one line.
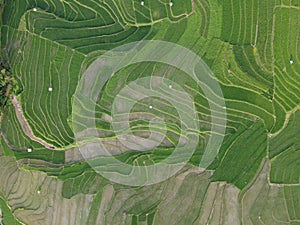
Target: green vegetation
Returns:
[[14, 132], [286, 49], [87, 183], [250, 46], [269, 204], [8, 84], [44, 154], [242, 160], [284, 152], [7, 218]]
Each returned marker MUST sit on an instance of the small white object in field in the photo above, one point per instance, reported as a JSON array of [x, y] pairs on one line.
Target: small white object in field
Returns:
[[291, 61], [224, 107], [50, 89], [29, 150], [142, 3], [150, 107], [170, 86], [34, 9], [171, 4], [39, 192]]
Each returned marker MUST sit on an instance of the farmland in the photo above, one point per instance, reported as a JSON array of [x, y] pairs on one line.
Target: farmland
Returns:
[[251, 49]]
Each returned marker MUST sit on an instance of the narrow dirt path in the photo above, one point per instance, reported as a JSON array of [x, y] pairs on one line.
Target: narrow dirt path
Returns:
[[25, 126]]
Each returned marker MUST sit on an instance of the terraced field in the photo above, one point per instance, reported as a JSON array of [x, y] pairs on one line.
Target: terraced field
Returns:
[[251, 52]]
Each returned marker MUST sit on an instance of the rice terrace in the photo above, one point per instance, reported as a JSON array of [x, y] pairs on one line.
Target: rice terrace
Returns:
[[150, 112]]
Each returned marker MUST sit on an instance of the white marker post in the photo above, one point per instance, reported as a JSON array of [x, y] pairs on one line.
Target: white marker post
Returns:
[[34, 9], [291, 62], [29, 150], [171, 4], [142, 3], [150, 107], [50, 89]]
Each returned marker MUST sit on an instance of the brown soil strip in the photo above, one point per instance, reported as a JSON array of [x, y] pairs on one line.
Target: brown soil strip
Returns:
[[24, 124]]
